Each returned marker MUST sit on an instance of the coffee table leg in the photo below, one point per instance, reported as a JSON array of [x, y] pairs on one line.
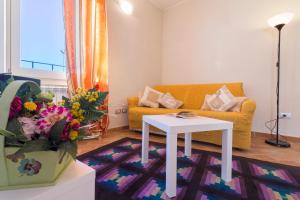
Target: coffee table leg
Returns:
[[145, 142], [227, 155], [188, 144], [171, 168]]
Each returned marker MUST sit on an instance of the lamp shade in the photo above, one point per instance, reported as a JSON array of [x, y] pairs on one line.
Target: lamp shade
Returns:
[[283, 18]]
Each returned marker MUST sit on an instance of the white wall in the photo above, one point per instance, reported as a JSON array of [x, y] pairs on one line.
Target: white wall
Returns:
[[134, 53], [2, 36], [208, 41]]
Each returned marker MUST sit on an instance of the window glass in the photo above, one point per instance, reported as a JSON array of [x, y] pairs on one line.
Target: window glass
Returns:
[[42, 35]]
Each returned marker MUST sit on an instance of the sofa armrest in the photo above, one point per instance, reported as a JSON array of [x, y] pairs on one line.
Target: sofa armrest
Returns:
[[248, 107], [133, 101]]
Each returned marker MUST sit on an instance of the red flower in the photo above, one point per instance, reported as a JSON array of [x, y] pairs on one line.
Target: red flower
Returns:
[[64, 136], [39, 107], [15, 107], [97, 86]]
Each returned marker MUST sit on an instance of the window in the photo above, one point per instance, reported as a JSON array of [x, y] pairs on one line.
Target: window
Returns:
[[38, 40]]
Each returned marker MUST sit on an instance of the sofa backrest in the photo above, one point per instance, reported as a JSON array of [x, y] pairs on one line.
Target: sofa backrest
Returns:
[[193, 95]]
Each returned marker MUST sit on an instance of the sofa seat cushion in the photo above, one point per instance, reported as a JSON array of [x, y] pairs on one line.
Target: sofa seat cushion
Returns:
[[140, 111], [240, 121]]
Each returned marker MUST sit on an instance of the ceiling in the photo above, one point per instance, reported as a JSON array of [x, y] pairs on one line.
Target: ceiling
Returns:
[[164, 4]]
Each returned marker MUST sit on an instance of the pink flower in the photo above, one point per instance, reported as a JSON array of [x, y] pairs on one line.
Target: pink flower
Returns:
[[50, 116], [64, 136], [15, 107], [28, 125]]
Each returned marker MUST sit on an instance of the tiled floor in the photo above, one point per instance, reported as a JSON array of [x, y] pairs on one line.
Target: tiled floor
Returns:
[[259, 150]]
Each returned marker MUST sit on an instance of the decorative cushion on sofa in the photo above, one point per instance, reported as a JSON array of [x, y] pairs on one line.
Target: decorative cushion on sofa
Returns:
[[237, 107], [222, 100], [168, 101], [205, 106], [150, 98]]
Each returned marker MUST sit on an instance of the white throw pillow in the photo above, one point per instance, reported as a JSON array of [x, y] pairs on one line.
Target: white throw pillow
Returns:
[[222, 100], [237, 107], [168, 101], [150, 98], [205, 106]]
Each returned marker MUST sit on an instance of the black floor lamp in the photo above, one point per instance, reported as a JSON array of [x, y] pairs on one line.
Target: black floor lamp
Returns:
[[278, 22]]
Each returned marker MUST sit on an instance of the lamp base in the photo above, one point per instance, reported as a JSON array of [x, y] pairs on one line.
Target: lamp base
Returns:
[[278, 143]]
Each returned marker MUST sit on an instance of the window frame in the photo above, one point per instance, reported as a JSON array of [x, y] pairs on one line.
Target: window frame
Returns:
[[46, 77]]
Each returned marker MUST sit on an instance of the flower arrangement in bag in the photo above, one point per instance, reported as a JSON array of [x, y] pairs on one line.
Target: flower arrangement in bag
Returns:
[[86, 106], [36, 123]]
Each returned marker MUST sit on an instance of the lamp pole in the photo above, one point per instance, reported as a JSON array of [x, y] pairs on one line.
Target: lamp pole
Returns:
[[279, 27], [278, 142]]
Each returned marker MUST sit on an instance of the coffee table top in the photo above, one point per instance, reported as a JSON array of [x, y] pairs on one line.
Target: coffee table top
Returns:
[[170, 123]]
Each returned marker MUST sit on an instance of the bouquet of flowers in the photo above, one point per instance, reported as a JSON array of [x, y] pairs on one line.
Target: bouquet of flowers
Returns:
[[87, 107], [36, 123]]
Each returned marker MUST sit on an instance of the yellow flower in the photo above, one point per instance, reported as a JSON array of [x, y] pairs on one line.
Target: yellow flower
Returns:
[[74, 122], [31, 106], [80, 112], [81, 92], [51, 104], [75, 105], [81, 118], [91, 96], [73, 135], [61, 103]]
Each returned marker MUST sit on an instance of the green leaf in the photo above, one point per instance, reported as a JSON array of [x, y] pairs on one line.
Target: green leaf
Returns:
[[84, 104], [33, 146], [81, 134], [92, 115], [102, 95], [27, 92], [15, 127], [11, 142], [56, 130], [45, 97], [11, 139], [67, 102], [70, 148], [101, 98], [6, 133]]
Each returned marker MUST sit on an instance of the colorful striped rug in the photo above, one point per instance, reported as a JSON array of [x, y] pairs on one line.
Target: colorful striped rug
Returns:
[[121, 175]]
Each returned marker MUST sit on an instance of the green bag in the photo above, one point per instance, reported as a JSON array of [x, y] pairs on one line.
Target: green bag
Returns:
[[37, 168]]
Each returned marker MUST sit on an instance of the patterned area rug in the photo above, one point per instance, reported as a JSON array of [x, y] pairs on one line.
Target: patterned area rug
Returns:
[[121, 175]]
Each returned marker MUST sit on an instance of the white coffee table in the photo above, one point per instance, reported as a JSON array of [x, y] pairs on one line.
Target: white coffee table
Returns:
[[173, 126]]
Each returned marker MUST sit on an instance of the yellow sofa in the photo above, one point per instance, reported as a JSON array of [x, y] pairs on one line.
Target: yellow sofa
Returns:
[[193, 97]]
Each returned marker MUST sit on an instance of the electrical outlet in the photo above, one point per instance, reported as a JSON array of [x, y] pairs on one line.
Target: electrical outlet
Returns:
[[124, 110], [285, 115], [118, 111]]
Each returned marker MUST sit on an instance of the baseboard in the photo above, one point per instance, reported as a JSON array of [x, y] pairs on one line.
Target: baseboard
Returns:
[[119, 128], [254, 133], [291, 138]]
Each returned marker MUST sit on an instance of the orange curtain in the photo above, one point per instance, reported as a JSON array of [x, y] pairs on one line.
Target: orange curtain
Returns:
[[69, 13], [93, 33], [93, 67]]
